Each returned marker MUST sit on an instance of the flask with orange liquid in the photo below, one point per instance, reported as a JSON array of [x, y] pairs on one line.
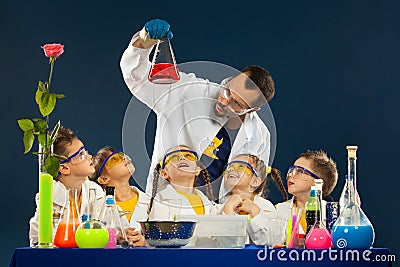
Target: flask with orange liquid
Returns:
[[65, 234]]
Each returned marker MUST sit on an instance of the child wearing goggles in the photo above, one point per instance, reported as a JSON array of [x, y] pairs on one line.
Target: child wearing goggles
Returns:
[[114, 168], [301, 176], [246, 177], [179, 170], [75, 166]]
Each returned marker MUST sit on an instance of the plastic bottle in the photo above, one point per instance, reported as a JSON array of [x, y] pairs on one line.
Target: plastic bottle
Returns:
[[312, 209]]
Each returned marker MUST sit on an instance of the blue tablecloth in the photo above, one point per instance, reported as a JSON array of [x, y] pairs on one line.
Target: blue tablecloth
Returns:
[[250, 256]]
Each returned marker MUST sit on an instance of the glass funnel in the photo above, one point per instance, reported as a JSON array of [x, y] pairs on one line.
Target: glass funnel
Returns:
[[69, 222], [91, 233], [352, 229], [163, 68]]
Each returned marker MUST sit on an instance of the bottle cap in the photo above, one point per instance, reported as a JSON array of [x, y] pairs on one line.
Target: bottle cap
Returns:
[[351, 151], [313, 191], [109, 201], [110, 190], [318, 184]]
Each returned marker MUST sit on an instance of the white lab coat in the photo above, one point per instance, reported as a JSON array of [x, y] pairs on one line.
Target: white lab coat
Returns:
[[283, 211], [139, 213], [168, 203], [257, 229], [61, 204], [185, 112]]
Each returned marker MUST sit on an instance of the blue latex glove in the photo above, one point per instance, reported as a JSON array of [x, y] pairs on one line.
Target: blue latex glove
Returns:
[[158, 28]]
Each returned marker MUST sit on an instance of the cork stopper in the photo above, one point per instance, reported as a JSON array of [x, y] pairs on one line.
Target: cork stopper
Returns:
[[352, 151]]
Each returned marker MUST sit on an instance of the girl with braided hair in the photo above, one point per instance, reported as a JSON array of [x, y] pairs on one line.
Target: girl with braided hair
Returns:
[[246, 178], [180, 169]]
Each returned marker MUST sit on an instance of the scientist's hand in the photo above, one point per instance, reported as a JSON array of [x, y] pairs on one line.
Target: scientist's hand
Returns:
[[158, 28], [152, 31], [135, 238]]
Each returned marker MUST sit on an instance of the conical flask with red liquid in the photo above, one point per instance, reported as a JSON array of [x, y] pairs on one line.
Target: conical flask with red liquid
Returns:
[[65, 234], [163, 68]]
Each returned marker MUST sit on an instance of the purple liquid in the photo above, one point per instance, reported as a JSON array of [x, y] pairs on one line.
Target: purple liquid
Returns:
[[353, 236]]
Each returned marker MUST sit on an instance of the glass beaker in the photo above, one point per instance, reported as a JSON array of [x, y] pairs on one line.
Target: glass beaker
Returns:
[[65, 234], [163, 68], [352, 229], [91, 233]]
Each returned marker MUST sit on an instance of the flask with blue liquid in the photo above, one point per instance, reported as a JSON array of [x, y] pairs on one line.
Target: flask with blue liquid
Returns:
[[352, 229]]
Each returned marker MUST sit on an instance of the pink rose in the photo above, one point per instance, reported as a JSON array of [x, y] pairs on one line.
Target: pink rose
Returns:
[[53, 50]]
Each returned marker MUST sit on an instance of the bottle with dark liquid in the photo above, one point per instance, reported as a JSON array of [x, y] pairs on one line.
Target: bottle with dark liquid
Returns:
[[312, 209]]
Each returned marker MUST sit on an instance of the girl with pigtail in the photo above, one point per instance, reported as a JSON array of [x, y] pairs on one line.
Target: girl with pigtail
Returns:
[[246, 178], [180, 168]]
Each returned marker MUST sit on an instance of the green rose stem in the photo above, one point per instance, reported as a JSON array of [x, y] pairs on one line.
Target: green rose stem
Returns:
[[46, 210], [52, 60], [46, 192]]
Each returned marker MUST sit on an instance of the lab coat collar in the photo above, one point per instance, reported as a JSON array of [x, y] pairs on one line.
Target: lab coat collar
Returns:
[[169, 193], [143, 197]]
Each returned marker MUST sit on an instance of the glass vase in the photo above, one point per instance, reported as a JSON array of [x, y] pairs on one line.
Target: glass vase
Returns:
[[45, 231]]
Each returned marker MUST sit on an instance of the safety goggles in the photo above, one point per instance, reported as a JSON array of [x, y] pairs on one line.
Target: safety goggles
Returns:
[[233, 103], [78, 157], [177, 155], [298, 172], [114, 159], [240, 166]]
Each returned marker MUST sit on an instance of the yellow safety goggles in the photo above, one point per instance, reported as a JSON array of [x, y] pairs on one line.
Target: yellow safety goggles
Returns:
[[177, 155], [240, 166], [114, 159]]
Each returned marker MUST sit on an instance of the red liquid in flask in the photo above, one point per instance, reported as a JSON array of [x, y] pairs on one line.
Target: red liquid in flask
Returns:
[[164, 73]]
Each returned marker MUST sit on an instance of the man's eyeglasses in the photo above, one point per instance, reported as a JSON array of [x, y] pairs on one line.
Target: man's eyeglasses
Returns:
[[78, 157], [233, 103], [177, 155], [298, 172], [113, 159], [240, 166]]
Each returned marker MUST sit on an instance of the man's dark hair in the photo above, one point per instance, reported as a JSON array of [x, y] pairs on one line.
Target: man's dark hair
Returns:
[[262, 80]]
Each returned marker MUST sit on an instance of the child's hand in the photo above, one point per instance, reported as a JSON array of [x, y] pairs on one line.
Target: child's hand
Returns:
[[232, 204], [248, 206], [135, 238]]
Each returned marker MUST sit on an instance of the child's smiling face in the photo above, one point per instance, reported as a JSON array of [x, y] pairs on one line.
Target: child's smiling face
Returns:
[[239, 175], [180, 162]]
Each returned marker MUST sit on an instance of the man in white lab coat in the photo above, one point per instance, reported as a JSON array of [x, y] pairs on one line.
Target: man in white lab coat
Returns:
[[217, 120]]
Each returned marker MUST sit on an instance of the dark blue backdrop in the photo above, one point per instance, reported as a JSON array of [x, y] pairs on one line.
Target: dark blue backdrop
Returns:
[[334, 62]]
